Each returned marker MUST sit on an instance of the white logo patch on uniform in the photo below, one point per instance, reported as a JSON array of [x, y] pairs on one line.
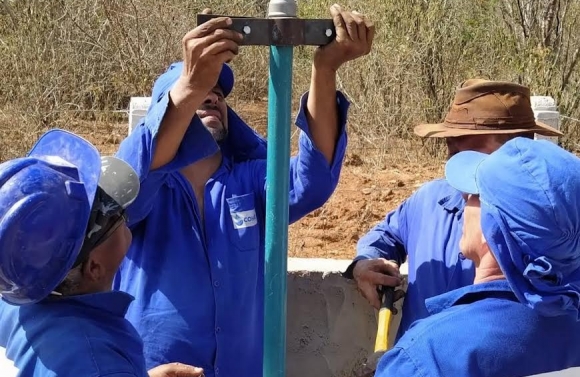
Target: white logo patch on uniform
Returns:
[[244, 219]]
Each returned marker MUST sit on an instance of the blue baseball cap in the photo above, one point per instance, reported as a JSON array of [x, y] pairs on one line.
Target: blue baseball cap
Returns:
[[166, 80], [530, 216], [53, 203]]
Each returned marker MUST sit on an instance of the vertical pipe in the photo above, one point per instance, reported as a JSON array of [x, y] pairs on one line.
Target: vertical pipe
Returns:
[[277, 181], [279, 120]]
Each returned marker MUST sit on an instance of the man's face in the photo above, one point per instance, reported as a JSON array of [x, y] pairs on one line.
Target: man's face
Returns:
[[479, 143], [213, 114], [114, 248], [104, 260], [472, 241]]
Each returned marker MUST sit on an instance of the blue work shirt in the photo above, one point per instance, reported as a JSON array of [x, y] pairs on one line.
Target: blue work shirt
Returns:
[[482, 330], [198, 285], [424, 231], [85, 335]]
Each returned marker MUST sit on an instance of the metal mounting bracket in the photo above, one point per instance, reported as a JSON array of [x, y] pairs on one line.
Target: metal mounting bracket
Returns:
[[280, 31]]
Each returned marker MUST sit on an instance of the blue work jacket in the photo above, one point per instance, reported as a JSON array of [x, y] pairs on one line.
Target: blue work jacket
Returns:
[[482, 330], [198, 284], [424, 231], [85, 335]]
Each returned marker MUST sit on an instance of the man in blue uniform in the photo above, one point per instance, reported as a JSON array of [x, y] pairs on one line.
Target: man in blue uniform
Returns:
[[196, 262], [521, 230], [62, 237], [425, 229]]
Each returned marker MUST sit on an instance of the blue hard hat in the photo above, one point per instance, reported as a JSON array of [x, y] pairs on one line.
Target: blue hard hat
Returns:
[[166, 80], [46, 202]]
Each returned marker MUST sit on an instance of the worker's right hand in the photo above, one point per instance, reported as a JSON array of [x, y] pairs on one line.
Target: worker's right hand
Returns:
[[175, 370], [205, 49], [370, 274]]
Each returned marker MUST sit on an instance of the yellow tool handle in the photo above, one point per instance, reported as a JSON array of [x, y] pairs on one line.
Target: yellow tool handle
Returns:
[[385, 314]]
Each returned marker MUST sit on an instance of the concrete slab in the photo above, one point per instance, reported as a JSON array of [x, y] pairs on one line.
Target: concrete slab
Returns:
[[326, 265], [331, 327]]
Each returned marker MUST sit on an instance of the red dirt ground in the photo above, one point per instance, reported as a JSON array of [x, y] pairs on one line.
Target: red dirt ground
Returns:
[[373, 181]]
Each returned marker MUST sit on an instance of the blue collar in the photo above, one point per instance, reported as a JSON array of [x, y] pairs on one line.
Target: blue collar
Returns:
[[227, 163], [113, 302], [450, 200], [242, 143], [470, 293]]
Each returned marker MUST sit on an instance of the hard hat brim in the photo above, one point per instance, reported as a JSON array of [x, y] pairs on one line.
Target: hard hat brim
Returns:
[[74, 150], [113, 175]]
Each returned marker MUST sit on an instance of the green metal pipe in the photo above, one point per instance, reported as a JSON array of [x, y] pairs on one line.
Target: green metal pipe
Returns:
[[277, 181]]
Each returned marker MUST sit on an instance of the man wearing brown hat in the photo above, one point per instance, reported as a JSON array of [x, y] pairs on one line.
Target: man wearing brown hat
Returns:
[[425, 229]]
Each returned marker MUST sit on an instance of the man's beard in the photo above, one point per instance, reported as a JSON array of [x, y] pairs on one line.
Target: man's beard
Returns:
[[218, 134]]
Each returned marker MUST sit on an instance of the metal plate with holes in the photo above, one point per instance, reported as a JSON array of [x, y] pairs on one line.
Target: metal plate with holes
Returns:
[[279, 31]]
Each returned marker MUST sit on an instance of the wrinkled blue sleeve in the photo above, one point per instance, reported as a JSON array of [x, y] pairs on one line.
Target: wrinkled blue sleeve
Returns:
[[138, 148], [312, 179], [397, 362], [386, 240]]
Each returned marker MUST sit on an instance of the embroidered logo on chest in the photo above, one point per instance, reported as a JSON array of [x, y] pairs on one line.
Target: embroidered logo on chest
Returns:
[[244, 219]]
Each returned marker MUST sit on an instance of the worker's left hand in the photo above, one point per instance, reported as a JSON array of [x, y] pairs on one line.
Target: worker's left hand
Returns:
[[175, 370], [354, 38]]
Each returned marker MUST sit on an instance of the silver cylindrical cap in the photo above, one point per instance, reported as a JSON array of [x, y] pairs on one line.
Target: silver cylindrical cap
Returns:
[[282, 8]]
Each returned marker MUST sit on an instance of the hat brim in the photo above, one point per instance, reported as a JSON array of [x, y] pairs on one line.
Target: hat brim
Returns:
[[443, 130], [461, 170], [112, 175], [76, 151], [167, 79]]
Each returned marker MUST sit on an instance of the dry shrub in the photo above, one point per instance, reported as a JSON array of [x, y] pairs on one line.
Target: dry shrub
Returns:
[[67, 61]]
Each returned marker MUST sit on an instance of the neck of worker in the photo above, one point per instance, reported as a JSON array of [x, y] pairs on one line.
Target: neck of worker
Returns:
[[201, 171], [487, 269], [78, 285]]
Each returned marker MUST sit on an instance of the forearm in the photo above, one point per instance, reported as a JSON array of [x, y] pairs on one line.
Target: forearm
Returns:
[[322, 111], [183, 103]]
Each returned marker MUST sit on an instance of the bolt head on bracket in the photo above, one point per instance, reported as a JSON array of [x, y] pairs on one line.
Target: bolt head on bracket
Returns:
[[279, 31]]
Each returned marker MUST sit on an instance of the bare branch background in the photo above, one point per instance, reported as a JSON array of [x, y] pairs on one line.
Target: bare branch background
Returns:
[[75, 64]]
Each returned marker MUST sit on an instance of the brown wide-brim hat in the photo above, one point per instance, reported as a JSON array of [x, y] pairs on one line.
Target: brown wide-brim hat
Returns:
[[483, 107]]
